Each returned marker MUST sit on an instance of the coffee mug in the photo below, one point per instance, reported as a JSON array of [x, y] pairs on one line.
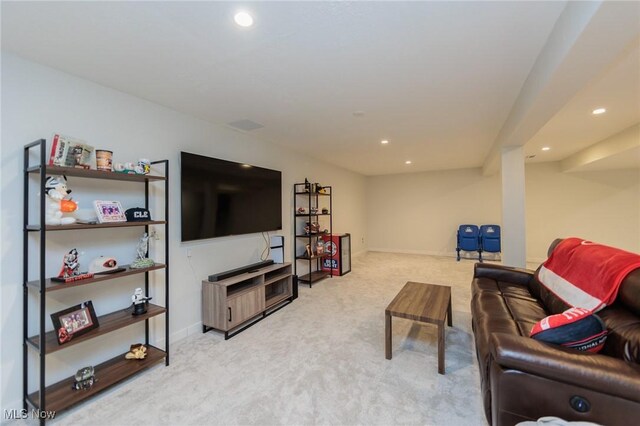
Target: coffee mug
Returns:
[[104, 160]]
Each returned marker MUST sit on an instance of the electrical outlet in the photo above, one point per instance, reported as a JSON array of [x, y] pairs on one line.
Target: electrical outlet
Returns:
[[362, 240], [188, 252]]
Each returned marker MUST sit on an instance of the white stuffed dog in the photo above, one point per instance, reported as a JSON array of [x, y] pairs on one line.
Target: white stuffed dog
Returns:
[[58, 201]]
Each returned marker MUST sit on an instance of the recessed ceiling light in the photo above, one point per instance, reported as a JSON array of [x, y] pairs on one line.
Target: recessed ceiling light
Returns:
[[384, 142], [243, 19], [598, 111], [407, 162], [545, 148], [246, 166]]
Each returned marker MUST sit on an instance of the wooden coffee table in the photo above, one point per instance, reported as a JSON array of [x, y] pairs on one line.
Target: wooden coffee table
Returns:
[[421, 302]]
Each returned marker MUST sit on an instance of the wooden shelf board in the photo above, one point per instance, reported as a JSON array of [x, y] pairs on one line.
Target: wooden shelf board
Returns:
[[240, 290], [50, 285], [272, 280], [315, 256], [95, 174], [95, 226], [274, 300], [319, 234], [60, 396], [108, 323], [312, 214], [314, 276], [312, 193]]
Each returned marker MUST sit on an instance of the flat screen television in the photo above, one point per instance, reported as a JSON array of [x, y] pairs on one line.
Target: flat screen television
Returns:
[[220, 198]]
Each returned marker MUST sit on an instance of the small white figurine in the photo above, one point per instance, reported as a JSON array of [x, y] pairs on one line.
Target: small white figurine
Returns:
[[140, 302]]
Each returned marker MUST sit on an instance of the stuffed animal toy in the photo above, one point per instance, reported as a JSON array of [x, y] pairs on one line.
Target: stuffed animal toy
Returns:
[[58, 201]]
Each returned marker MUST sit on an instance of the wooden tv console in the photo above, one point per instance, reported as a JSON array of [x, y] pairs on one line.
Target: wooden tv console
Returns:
[[229, 305]]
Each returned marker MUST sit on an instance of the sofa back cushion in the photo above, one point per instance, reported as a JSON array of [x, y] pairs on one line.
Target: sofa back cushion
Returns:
[[552, 303]]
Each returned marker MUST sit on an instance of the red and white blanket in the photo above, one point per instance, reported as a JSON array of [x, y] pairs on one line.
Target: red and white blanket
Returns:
[[585, 274]]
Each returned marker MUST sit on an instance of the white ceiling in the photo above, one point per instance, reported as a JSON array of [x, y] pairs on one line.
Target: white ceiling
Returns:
[[436, 79], [574, 127]]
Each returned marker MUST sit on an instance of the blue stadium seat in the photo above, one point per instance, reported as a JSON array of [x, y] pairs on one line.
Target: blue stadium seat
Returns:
[[468, 240], [490, 238]]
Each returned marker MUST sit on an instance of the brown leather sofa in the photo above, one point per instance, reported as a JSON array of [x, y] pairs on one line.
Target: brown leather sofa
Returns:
[[524, 379]]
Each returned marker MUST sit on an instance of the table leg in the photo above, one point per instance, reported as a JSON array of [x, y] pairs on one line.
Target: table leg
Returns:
[[441, 347], [449, 318], [387, 335]]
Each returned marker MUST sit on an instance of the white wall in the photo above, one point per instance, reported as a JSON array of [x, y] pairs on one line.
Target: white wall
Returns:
[[421, 212], [602, 206], [38, 101]]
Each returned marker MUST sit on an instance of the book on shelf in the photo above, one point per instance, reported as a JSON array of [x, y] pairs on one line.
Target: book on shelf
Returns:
[[71, 152]]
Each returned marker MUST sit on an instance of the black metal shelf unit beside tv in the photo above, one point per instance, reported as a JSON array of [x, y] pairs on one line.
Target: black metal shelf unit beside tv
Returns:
[[60, 396], [310, 196]]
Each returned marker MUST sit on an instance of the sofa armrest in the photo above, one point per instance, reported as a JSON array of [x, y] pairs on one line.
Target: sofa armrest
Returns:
[[503, 273], [600, 373]]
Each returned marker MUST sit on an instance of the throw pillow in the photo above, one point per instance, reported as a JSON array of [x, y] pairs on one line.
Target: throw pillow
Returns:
[[575, 328]]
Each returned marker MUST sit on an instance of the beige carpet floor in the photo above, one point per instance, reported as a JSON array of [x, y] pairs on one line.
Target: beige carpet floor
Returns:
[[319, 360]]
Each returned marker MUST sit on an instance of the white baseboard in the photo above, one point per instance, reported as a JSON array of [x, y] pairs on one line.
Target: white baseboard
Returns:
[[182, 334], [423, 252], [359, 253]]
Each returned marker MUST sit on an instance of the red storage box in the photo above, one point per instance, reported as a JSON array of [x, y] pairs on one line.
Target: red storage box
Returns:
[[340, 247]]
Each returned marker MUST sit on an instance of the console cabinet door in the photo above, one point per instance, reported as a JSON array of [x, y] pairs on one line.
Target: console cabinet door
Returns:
[[244, 306]]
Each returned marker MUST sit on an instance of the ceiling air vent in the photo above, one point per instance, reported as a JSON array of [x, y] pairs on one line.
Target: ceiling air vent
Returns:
[[246, 125]]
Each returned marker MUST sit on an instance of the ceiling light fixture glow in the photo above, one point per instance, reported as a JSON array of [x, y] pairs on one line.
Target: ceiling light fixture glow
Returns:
[[243, 19], [407, 162], [545, 148], [384, 142], [598, 111]]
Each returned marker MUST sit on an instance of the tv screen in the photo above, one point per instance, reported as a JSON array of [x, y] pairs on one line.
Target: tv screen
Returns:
[[220, 198]]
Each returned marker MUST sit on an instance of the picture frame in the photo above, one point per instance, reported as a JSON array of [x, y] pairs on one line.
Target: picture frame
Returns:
[[71, 152], [109, 211], [74, 321]]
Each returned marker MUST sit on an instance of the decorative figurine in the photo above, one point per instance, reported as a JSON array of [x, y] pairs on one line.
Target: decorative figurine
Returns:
[[140, 302], [70, 265], [145, 164], [142, 261], [58, 201], [70, 269], [320, 247], [302, 210], [325, 210], [137, 351], [84, 379], [314, 210]]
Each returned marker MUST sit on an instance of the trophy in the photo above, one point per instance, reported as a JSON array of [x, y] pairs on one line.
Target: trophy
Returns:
[[142, 261]]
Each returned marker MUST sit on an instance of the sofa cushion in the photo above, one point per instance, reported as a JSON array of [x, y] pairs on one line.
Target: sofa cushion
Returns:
[[575, 328], [629, 293], [624, 332]]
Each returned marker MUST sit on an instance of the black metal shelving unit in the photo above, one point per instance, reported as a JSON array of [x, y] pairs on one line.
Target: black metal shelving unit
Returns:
[[306, 195], [59, 396]]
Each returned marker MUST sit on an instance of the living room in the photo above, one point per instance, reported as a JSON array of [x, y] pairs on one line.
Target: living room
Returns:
[[448, 85]]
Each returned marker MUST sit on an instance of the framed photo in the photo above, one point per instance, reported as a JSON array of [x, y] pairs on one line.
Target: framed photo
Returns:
[[74, 321], [71, 152], [109, 211]]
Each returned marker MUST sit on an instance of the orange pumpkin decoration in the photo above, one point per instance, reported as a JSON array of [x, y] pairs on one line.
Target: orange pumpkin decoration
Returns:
[[68, 206]]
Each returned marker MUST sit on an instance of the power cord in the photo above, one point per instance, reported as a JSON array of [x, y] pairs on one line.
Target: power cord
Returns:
[[267, 249]]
